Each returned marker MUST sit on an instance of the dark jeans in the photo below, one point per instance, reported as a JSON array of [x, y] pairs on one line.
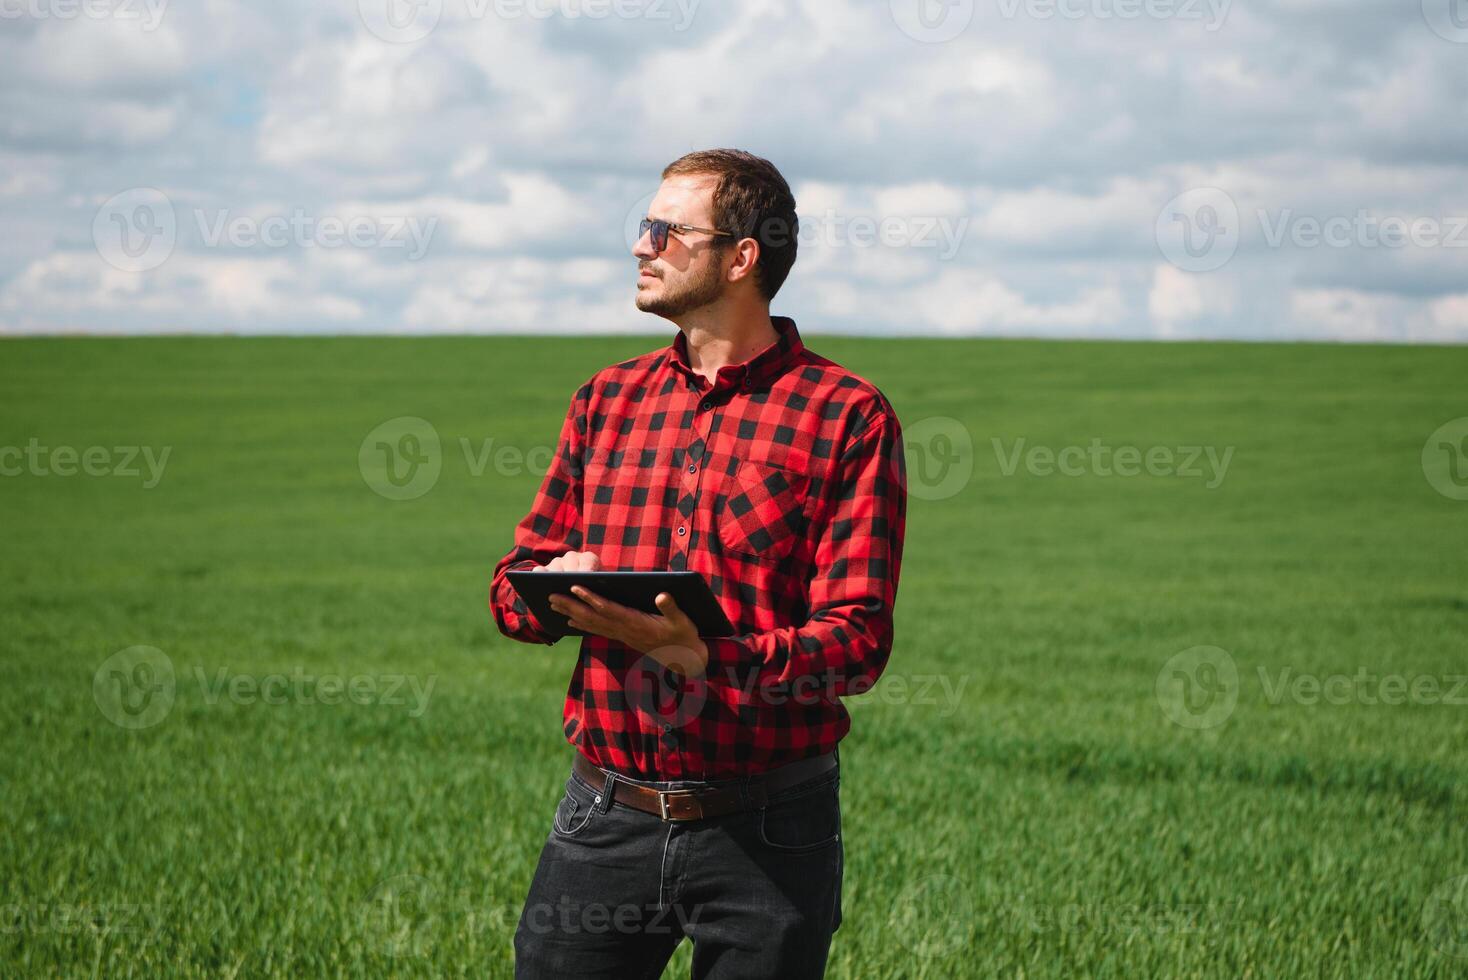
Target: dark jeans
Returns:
[[758, 892]]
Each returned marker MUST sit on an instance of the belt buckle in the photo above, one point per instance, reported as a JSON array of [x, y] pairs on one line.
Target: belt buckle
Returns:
[[663, 795]]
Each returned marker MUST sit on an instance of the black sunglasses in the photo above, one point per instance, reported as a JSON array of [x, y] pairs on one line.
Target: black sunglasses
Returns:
[[660, 229]]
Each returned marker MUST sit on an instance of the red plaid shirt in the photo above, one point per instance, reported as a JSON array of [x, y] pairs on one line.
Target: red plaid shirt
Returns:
[[784, 484]]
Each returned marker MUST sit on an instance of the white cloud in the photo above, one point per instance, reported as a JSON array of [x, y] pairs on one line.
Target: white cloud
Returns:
[[1039, 151]]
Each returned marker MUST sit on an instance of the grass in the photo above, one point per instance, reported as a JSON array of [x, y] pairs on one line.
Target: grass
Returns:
[[1018, 798]]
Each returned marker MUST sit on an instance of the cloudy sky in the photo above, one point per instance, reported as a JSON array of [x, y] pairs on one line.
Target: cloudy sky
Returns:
[[1260, 169]]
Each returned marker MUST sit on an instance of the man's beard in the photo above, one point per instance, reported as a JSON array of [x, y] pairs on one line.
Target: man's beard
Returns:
[[688, 296]]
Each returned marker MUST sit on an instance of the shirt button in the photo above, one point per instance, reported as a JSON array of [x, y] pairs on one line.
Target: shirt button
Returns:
[[692, 468], [680, 531], [707, 405], [667, 728]]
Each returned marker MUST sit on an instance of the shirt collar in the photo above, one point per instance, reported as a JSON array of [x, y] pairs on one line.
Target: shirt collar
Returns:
[[765, 366]]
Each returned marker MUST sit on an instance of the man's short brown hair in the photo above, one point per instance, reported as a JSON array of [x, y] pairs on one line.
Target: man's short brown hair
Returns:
[[751, 200]]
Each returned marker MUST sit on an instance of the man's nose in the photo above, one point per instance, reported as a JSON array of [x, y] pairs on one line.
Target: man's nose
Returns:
[[643, 249]]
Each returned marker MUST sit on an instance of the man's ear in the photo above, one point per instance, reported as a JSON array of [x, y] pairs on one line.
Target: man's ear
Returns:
[[746, 259]]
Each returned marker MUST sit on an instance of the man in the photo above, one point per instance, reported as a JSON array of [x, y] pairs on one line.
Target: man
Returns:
[[779, 476]]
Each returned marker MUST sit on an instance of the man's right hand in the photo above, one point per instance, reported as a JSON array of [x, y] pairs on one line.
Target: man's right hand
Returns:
[[572, 561]]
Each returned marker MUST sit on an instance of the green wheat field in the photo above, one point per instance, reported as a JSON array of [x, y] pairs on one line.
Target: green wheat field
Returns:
[[1177, 688]]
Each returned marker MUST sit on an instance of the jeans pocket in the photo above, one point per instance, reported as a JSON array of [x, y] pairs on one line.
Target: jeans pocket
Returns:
[[807, 822], [575, 810]]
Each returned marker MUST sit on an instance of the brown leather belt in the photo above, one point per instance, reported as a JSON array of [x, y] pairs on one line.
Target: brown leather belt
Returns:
[[698, 804]]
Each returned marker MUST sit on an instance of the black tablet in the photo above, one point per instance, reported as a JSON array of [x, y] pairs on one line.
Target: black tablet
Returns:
[[636, 590]]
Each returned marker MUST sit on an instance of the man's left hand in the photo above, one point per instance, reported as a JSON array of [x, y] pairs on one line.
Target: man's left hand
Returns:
[[671, 639]]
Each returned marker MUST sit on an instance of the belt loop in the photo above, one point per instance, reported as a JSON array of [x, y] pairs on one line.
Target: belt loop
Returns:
[[608, 790]]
